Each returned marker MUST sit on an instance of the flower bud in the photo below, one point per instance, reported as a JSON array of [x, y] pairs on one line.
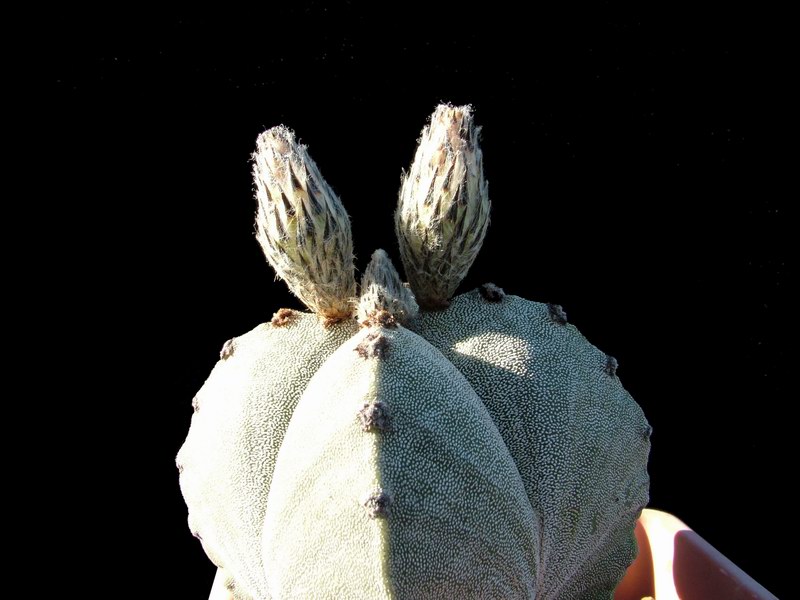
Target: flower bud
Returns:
[[382, 291], [443, 210], [302, 226]]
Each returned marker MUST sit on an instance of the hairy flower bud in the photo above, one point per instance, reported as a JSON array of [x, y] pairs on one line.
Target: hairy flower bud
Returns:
[[443, 210], [302, 226], [382, 290]]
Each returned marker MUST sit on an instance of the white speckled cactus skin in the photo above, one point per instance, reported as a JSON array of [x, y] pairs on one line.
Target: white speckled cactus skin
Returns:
[[241, 414], [568, 424], [448, 480], [484, 449]]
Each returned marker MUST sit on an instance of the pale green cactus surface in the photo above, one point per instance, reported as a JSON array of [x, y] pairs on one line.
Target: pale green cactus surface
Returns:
[[476, 446]]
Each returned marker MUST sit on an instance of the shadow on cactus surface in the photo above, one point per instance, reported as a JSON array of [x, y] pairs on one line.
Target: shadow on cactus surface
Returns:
[[400, 441]]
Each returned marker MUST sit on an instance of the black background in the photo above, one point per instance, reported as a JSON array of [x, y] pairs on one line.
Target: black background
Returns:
[[629, 169]]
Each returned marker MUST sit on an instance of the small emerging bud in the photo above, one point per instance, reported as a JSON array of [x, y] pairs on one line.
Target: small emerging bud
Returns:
[[443, 210], [302, 226], [382, 290]]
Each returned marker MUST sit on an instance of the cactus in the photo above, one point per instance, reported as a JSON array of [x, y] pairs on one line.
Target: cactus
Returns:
[[406, 443]]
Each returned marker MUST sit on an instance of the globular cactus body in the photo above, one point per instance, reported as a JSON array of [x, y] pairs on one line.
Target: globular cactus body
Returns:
[[483, 449], [574, 432], [341, 488], [240, 416]]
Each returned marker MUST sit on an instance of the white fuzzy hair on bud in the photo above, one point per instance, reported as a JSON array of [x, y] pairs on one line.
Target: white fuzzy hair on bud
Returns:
[[443, 209], [382, 290], [302, 226]]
